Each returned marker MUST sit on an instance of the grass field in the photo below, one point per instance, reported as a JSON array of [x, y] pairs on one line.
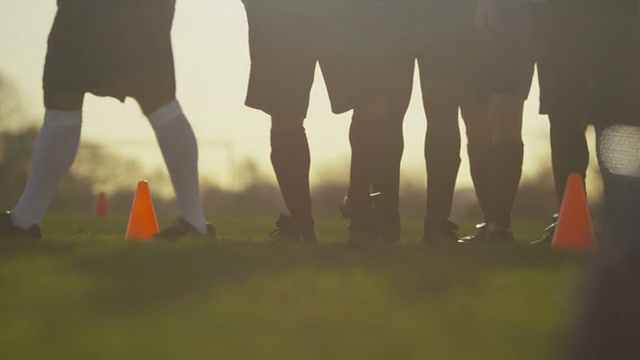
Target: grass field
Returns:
[[85, 293]]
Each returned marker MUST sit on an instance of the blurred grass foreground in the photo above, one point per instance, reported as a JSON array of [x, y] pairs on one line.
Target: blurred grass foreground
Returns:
[[85, 293]]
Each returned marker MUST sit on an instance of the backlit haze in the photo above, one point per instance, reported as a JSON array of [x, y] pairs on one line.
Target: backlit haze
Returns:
[[212, 66]]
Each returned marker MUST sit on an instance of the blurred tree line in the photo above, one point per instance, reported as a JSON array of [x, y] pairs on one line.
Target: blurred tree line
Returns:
[[98, 170]]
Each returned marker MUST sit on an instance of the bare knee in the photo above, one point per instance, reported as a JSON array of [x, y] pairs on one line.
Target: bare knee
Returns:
[[441, 106]]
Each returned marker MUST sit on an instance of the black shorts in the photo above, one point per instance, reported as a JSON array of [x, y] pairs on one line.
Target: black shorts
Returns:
[[476, 68], [459, 58], [459, 67], [582, 52], [116, 48], [285, 47], [454, 59]]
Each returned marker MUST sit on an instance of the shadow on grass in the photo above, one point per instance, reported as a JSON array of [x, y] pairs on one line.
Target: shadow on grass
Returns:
[[16, 248], [146, 275], [84, 292]]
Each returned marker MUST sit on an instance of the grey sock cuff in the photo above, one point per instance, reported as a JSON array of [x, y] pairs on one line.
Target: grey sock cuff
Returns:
[[62, 118], [165, 114]]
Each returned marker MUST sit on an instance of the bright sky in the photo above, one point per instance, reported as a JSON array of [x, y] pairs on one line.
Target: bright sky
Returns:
[[212, 66]]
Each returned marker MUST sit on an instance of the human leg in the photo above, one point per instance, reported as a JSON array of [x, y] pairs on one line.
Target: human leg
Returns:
[[282, 73], [366, 137], [508, 156], [55, 151], [510, 84], [475, 113], [179, 148], [442, 155], [291, 162], [386, 183]]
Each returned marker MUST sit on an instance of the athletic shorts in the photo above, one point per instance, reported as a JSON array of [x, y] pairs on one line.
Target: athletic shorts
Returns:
[[461, 67], [475, 67], [116, 48], [285, 47], [454, 58], [582, 52]]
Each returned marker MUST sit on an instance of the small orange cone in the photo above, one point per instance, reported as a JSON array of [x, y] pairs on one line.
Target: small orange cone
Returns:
[[101, 206], [574, 230], [142, 220]]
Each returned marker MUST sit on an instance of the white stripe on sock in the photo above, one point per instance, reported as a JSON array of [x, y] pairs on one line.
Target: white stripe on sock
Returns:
[[165, 114], [62, 118]]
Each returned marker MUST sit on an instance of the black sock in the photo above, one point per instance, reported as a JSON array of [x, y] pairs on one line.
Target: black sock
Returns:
[[569, 150], [386, 179], [291, 162], [443, 163], [507, 172], [480, 164], [365, 139]]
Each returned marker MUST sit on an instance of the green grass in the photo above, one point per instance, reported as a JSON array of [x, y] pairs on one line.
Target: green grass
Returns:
[[85, 293]]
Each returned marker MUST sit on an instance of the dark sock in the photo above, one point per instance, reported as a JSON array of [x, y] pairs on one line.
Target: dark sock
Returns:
[[569, 150], [291, 162], [443, 163], [507, 172], [364, 137], [386, 180], [480, 164]]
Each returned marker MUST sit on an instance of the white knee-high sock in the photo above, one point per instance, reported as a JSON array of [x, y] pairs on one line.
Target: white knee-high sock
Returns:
[[180, 151], [55, 150]]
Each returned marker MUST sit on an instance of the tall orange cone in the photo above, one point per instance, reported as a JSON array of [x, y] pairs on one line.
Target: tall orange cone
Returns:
[[142, 220], [101, 206], [574, 230]]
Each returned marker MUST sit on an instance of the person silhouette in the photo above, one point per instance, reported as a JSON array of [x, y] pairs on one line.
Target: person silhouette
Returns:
[[118, 49], [287, 39]]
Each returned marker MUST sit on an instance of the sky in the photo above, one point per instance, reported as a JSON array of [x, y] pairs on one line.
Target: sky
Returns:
[[212, 67]]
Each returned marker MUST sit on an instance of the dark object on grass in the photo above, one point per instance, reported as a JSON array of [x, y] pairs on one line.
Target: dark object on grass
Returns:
[[181, 228], [287, 232], [9, 231], [444, 233], [489, 233]]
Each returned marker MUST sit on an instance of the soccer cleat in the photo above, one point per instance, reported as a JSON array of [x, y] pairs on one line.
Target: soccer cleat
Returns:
[[445, 233], [366, 225], [181, 228], [9, 231], [287, 232], [364, 230], [390, 230], [549, 232], [489, 233], [346, 209]]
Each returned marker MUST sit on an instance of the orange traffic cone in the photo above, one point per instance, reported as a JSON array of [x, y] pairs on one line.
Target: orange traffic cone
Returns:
[[574, 230], [142, 220], [101, 206]]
